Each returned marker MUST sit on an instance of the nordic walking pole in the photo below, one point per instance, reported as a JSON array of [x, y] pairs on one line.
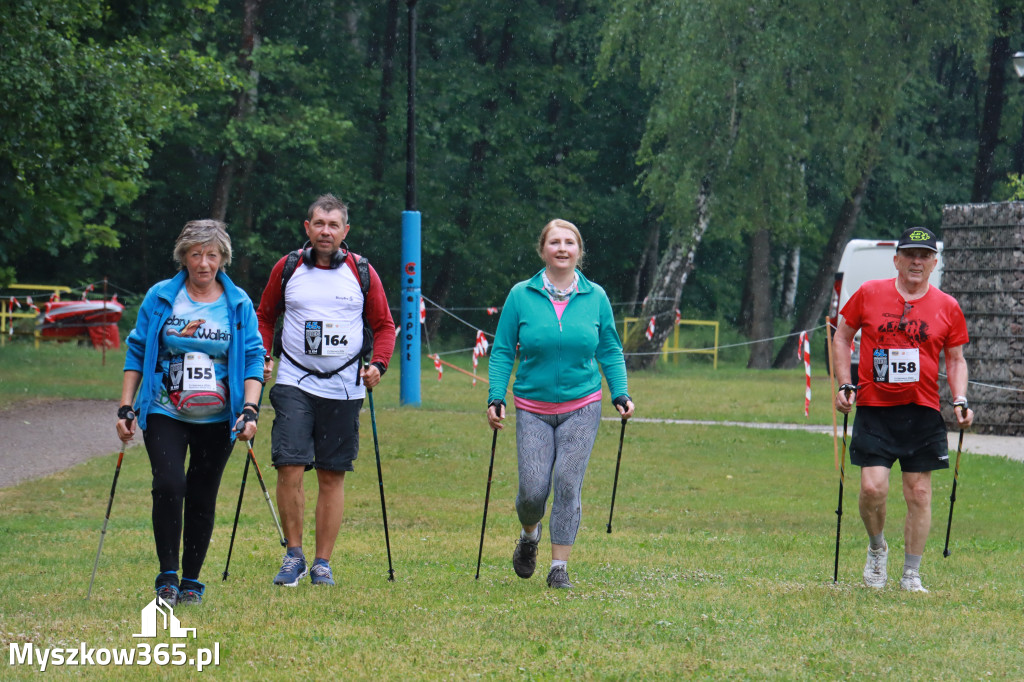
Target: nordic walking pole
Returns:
[[487, 499], [241, 492], [615, 485], [846, 388], [238, 510], [380, 482], [110, 503], [832, 390], [266, 495], [956, 476]]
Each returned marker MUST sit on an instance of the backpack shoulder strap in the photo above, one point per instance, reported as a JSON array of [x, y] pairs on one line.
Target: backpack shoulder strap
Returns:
[[363, 269], [290, 263]]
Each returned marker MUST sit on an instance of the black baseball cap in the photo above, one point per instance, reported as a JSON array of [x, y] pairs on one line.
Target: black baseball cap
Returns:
[[918, 238]]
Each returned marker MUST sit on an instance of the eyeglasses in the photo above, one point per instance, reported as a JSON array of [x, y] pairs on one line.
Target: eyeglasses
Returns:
[[903, 318]]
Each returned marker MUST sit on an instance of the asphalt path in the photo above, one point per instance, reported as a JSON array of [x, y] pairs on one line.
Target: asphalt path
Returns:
[[1011, 447], [39, 439]]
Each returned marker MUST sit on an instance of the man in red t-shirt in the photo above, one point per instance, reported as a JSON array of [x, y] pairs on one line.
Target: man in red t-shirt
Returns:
[[904, 323]]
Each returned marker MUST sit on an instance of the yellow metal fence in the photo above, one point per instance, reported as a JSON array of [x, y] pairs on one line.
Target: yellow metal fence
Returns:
[[672, 343], [8, 314]]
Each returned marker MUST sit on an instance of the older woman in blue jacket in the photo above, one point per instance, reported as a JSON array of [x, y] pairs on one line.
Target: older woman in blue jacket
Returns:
[[193, 375], [563, 327]]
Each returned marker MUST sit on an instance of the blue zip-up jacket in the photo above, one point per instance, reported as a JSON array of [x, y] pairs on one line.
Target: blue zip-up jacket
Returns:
[[245, 351], [558, 361]]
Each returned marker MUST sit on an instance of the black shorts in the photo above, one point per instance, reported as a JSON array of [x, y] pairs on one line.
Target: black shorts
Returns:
[[311, 431], [913, 434]]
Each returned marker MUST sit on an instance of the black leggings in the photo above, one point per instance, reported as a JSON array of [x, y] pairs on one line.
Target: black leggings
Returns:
[[166, 441]]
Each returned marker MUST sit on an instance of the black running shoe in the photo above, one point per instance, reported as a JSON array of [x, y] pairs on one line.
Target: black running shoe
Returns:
[[524, 559], [169, 594], [167, 588], [558, 578], [191, 592]]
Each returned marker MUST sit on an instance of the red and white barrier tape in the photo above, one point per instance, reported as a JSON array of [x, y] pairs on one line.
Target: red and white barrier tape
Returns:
[[803, 351]]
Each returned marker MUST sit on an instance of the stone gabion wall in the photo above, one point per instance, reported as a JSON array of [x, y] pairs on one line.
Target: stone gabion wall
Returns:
[[983, 267]]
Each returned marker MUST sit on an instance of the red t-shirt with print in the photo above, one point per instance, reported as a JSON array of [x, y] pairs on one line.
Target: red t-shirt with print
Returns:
[[900, 345]]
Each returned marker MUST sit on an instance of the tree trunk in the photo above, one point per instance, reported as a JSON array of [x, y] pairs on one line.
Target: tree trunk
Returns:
[[661, 303], [790, 278], [759, 278], [647, 268], [440, 290], [988, 134], [444, 280], [387, 68], [821, 287], [236, 171]]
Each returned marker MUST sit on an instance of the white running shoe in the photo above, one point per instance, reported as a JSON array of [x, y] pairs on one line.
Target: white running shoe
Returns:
[[911, 581], [875, 571]]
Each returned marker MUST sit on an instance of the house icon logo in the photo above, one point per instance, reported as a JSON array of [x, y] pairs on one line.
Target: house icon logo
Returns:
[[158, 611]]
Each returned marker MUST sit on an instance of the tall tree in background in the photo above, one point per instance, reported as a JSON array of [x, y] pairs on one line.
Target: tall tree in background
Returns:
[[81, 108], [236, 164], [766, 116], [513, 134], [717, 135], [817, 85], [896, 90], [988, 133]]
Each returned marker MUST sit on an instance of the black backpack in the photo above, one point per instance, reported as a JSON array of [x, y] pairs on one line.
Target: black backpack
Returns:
[[363, 270]]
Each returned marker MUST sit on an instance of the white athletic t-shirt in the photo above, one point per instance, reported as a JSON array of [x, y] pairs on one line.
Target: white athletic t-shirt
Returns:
[[323, 329]]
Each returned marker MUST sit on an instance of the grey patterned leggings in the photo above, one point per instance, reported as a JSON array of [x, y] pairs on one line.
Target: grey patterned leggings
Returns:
[[554, 451]]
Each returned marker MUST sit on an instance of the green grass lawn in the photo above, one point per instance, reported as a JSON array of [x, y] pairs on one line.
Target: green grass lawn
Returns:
[[719, 566]]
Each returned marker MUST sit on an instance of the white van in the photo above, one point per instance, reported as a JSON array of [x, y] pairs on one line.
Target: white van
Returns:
[[865, 259]]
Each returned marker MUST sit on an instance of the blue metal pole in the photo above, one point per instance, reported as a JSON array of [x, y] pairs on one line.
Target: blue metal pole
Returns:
[[409, 326], [409, 322]]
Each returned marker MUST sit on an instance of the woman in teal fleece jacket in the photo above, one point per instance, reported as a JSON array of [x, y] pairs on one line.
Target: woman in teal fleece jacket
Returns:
[[562, 328], [193, 375]]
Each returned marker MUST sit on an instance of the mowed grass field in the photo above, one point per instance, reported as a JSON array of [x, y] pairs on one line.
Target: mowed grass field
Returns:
[[719, 565]]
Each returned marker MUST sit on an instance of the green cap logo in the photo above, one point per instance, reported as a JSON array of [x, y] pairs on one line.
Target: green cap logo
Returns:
[[919, 236]]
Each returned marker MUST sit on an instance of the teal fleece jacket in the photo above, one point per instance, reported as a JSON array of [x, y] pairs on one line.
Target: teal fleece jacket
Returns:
[[558, 361]]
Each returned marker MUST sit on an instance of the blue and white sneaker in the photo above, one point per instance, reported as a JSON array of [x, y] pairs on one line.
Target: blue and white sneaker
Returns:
[[293, 569], [320, 573]]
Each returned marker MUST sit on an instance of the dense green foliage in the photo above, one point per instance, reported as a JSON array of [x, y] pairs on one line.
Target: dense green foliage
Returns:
[[122, 120], [83, 103]]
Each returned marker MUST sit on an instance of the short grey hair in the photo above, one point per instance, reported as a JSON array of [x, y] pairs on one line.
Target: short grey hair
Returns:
[[203, 233], [328, 203]]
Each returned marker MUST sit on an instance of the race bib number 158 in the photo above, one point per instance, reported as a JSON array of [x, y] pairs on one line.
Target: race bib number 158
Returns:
[[897, 365]]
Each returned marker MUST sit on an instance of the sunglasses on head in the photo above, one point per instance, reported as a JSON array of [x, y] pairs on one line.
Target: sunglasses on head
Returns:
[[903, 318]]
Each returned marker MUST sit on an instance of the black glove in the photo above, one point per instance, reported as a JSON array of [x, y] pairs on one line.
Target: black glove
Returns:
[[621, 401], [497, 403], [126, 412]]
